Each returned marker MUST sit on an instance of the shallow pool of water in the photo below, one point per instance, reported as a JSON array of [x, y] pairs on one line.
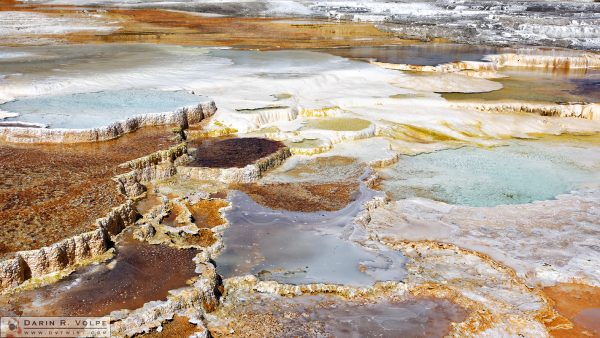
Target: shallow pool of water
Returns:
[[303, 247], [338, 124], [589, 319], [139, 273], [519, 173], [329, 316], [232, 152], [420, 54], [91, 110], [550, 87]]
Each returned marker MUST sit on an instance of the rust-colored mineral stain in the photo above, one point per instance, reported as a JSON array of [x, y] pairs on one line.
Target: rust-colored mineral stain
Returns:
[[172, 27], [232, 152], [321, 163], [160, 26], [578, 303], [206, 213], [204, 238], [171, 219], [301, 196], [148, 203], [50, 192], [141, 273], [178, 327]]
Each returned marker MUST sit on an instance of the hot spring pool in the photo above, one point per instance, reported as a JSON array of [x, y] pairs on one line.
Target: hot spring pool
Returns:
[[97, 109], [521, 172]]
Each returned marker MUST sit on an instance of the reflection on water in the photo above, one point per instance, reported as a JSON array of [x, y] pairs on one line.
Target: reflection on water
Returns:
[[140, 273], [301, 248], [233, 152], [329, 316], [540, 86], [420, 54]]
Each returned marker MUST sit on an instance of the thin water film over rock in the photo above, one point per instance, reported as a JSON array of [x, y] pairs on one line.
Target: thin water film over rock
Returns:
[[302, 168], [303, 247]]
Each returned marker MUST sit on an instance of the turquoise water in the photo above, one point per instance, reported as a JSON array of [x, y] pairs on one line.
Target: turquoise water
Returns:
[[514, 174], [91, 110]]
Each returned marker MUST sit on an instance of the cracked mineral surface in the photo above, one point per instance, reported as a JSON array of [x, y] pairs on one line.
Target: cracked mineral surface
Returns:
[[302, 168]]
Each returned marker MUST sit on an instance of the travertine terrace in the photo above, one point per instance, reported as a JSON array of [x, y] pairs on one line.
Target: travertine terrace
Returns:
[[302, 168]]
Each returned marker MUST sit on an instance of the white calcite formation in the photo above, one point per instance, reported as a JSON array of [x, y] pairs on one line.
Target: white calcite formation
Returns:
[[5, 114], [548, 23], [550, 60], [489, 67], [256, 90], [41, 28], [248, 174], [545, 242], [533, 22], [181, 118], [489, 260], [589, 111], [82, 248]]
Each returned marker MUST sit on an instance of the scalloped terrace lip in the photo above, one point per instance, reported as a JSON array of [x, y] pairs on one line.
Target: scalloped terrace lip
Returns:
[[231, 152], [126, 282], [334, 185]]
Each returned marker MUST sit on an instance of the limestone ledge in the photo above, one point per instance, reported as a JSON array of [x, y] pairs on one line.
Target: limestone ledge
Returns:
[[590, 111], [193, 301], [492, 63], [250, 283], [501, 304], [182, 117], [158, 165], [248, 174], [68, 252], [329, 139], [581, 61], [240, 287], [152, 230], [483, 68]]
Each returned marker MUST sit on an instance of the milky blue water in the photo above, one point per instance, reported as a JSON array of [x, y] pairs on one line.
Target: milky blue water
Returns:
[[514, 174], [91, 110]]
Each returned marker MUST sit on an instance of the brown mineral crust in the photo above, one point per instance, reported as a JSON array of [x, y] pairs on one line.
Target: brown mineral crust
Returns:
[[173, 27], [232, 152], [178, 327], [299, 318], [569, 300], [160, 26], [204, 238], [51, 192], [250, 325], [320, 164], [301, 196], [127, 282], [171, 219], [206, 213]]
